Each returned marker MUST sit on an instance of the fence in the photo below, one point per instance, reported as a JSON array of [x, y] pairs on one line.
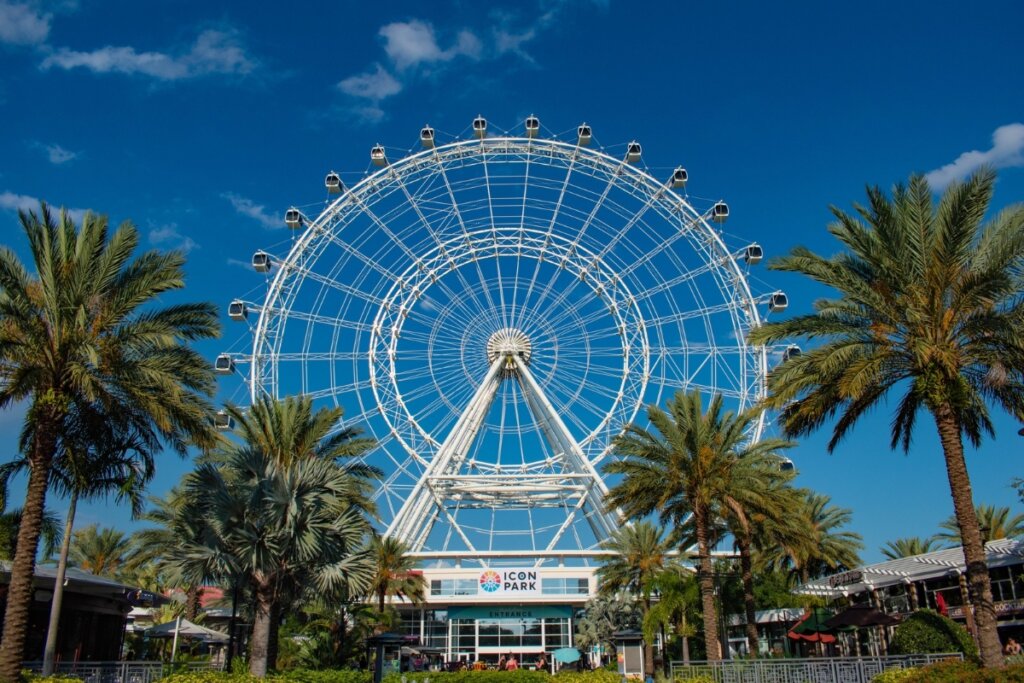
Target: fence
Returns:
[[118, 672], [821, 670]]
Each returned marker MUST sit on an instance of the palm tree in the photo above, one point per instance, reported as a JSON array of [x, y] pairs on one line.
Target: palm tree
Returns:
[[929, 306], [281, 510], [995, 524], [10, 523], [280, 527], [638, 553], [100, 551], [759, 494], [99, 455], [908, 547], [692, 465], [84, 330], [395, 573], [678, 596], [822, 547]]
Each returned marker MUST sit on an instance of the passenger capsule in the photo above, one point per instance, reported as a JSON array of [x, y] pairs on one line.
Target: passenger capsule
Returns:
[[584, 135], [224, 365], [223, 422], [792, 351], [261, 262], [427, 137], [720, 212], [293, 219], [753, 254], [480, 127], [633, 152], [333, 183], [787, 465], [378, 157], [532, 126], [679, 177], [237, 310], [778, 302]]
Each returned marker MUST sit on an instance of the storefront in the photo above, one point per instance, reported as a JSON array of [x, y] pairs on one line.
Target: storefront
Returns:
[[481, 614]]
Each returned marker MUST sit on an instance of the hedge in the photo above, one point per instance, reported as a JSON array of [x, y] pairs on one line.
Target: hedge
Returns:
[[927, 631]]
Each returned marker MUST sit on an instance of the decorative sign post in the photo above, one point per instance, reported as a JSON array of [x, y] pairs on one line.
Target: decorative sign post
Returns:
[[629, 650], [388, 652]]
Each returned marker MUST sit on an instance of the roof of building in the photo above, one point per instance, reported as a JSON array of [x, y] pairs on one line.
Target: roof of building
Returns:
[[932, 565]]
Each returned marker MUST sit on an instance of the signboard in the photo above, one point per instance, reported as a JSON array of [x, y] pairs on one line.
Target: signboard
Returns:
[[510, 612], [846, 578], [509, 582]]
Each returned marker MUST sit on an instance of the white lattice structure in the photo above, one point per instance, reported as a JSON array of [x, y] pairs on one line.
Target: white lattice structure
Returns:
[[493, 311]]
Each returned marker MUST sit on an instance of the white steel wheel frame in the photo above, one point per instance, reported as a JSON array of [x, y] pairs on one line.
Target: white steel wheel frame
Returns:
[[493, 312]]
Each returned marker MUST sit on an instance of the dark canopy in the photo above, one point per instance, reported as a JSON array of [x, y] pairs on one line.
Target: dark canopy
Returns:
[[860, 616]]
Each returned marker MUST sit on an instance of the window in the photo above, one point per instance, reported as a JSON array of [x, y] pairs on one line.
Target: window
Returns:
[[563, 586], [1002, 584], [439, 587]]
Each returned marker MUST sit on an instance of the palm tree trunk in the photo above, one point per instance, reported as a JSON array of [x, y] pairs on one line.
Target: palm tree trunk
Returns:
[[707, 585], [261, 630], [275, 628], [50, 650], [19, 591], [648, 646], [686, 640], [747, 575], [970, 534]]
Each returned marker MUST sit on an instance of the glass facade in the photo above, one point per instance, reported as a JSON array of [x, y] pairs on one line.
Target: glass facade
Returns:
[[563, 586], [487, 638], [449, 587]]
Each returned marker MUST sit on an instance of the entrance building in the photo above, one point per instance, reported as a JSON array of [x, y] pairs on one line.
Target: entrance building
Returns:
[[484, 613]]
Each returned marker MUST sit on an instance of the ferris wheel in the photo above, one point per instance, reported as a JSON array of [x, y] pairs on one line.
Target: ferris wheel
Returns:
[[493, 310]]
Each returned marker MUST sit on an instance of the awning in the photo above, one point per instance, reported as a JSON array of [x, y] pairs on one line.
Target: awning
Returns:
[[187, 629], [861, 616]]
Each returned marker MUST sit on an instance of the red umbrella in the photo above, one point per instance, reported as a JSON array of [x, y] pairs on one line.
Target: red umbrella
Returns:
[[812, 627], [812, 637]]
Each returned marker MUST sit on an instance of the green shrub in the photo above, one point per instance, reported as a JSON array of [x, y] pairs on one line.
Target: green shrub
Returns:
[[703, 678], [927, 631], [326, 676], [894, 676], [596, 676], [953, 671], [32, 677], [519, 676], [210, 677]]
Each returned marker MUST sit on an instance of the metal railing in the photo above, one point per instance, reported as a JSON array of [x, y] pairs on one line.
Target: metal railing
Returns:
[[818, 670], [120, 672]]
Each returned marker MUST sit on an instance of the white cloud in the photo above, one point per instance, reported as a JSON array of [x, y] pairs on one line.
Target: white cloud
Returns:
[[168, 236], [374, 85], [410, 43], [58, 155], [257, 212], [22, 24], [213, 52], [23, 202], [55, 153], [239, 263], [1007, 150]]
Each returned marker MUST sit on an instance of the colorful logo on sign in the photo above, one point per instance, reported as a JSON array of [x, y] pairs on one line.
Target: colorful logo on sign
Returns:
[[490, 581]]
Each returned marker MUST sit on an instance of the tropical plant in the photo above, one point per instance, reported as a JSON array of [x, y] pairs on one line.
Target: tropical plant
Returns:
[[908, 547], [692, 465], [638, 553], [84, 330], [395, 573], [928, 306], [675, 609], [10, 523], [99, 455], [603, 615], [927, 631], [823, 547], [279, 512], [995, 523], [102, 551]]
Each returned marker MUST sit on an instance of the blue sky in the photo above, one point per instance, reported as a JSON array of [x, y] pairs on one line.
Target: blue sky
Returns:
[[201, 122]]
